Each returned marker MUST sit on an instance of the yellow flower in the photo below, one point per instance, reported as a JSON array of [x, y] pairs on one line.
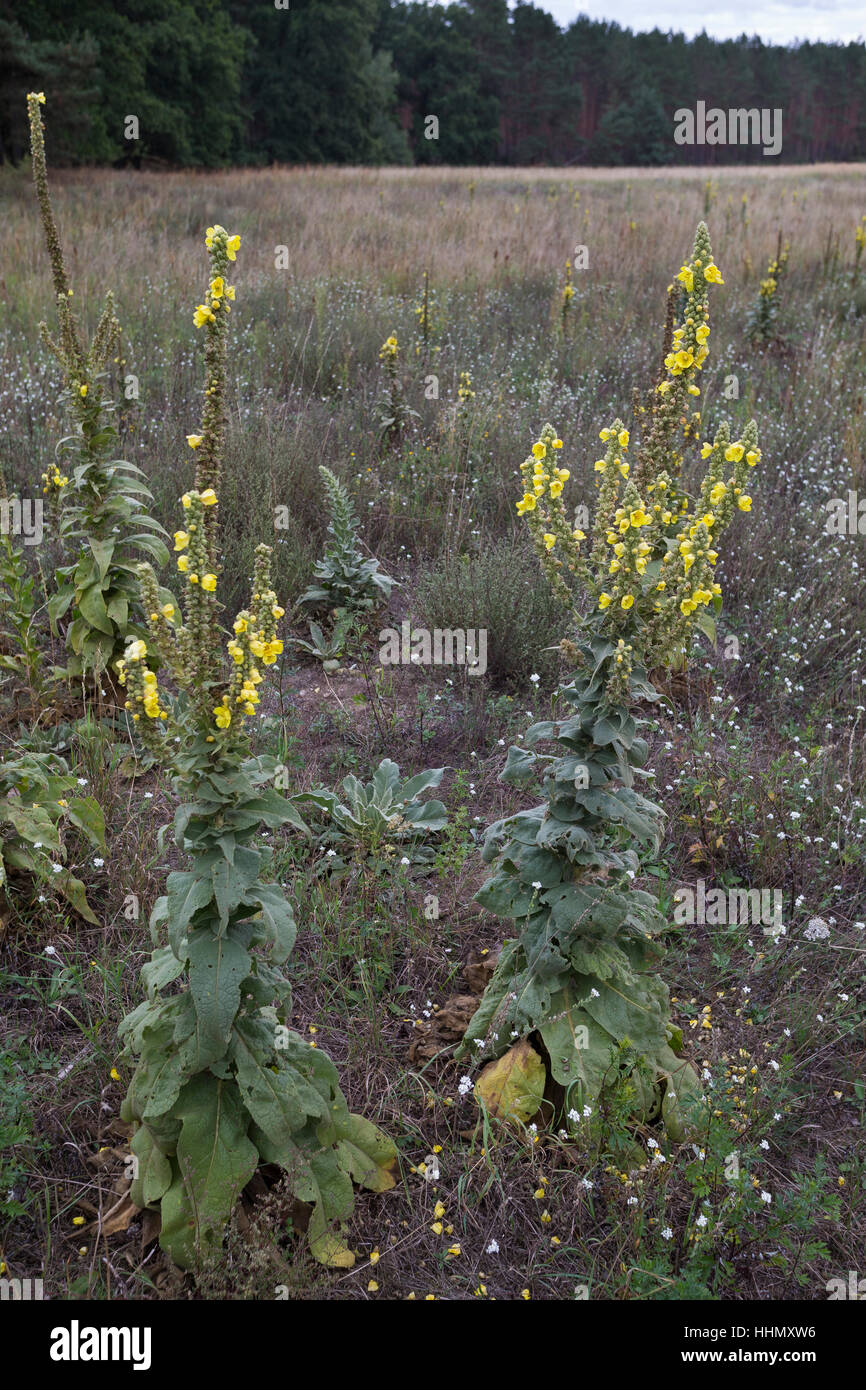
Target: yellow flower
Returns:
[[549, 540], [217, 287], [539, 449], [38, 96], [623, 439], [193, 579], [181, 540], [167, 611], [627, 601], [734, 453], [209, 497], [208, 582], [555, 489], [277, 611], [579, 535], [136, 651], [526, 504], [82, 391], [686, 275], [639, 518], [233, 245], [702, 333], [240, 625], [223, 716], [604, 600], [186, 501], [600, 465], [114, 1074], [713, 274], [744, 503], [78, 1220], [202, 315], [752, 457], [183, 563], [193, 440], [556, 443], [684, 358]]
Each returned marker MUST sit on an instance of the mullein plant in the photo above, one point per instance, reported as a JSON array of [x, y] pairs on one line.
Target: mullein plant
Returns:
[[394, 414], [220, 1082], [102, 500], [859, 243], [345, 581], [761, 323], [566, 297], [579, 978]]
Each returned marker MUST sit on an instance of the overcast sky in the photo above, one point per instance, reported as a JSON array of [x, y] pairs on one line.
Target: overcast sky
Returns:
[[779, 21]]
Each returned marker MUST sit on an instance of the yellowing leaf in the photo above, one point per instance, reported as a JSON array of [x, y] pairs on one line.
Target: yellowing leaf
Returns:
[[512, 1088]]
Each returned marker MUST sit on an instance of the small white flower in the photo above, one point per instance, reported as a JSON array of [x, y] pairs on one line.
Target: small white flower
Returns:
[[50, 951], [594, 994], [765, 1197], [652, 1143], [573, 1115], [764, 1144], [701, 1221], [98, 863], [537, 883], [493, 1248], [57, 868], [465, 1085], [535, 679], [667, 1233], [405, 861], [631, 1202]]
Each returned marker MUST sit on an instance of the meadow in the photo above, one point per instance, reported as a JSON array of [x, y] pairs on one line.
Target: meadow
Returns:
[[757, 752]]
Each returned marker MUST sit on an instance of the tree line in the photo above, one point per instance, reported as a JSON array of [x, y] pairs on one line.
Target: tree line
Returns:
[[216, 82]]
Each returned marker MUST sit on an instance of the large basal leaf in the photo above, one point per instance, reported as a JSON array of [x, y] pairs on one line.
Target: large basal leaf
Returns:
[[579, 1049], [215, 1161]]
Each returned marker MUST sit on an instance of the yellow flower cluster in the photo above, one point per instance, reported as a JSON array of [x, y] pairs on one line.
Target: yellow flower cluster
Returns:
[[464, 389], [222, 248], [194, 559], [54, 479], [254, 640], [217, 296], [389, 348], [141, 683]]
